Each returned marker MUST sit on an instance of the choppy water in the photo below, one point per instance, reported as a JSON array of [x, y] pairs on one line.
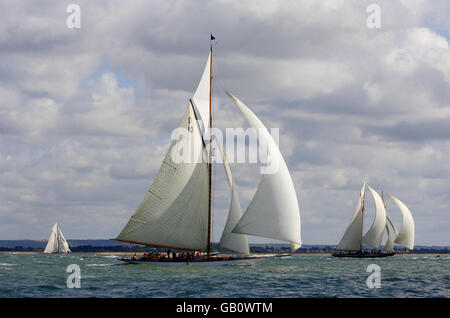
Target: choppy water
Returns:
[[39, 275]]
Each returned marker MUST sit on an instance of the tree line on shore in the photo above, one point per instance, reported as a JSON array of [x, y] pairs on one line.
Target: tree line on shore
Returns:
[[253, 249]]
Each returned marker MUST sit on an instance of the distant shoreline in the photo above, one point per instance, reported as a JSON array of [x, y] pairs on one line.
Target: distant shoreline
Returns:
[[294, 254]]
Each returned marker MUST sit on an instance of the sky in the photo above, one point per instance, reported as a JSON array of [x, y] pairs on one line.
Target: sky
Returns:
[[86, 113]]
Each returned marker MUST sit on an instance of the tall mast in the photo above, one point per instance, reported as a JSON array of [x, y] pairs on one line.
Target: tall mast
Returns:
[[362, 222], [209, 155]]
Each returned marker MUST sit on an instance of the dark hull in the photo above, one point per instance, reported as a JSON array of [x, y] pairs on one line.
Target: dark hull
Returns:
[[363, 254], [213, 261]]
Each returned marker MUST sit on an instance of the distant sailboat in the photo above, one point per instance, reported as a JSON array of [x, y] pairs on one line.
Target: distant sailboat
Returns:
[[351, 244], [176, 211], [56, 242]]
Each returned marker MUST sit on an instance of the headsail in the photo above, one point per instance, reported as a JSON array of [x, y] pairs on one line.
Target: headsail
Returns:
[[375, 234], [273, 211], [405, 236], [392, 224], [63, 246], [353, 235], [174, 212], [232, 241], [56, 242], [389, 246]]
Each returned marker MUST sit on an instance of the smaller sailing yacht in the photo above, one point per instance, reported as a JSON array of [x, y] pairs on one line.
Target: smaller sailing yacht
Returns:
[[351, 244], [56, 242]]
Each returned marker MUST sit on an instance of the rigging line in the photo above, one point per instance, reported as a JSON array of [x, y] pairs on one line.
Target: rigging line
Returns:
[[217, 83], [213, 200], [389, 221]]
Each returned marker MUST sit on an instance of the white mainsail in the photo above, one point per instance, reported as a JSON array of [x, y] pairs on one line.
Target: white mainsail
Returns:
[[374, 235], [174, 212], [273, 212], [405, 236], [232, 241], [389, 245], [201, 96], [56, 242], [352, 238]]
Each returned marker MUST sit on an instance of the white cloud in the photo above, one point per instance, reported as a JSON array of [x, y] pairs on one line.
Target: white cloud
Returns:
[[86, 115]]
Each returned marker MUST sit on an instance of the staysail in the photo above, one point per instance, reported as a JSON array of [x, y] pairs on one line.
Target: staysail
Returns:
[[405, 236], [273, 212], [63, 246], [232, 241], [391, 224], [374, 235], [174, 212], [56, 242], [353, 235]]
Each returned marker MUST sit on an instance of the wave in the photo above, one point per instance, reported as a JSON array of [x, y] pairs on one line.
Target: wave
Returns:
[[98, 265]]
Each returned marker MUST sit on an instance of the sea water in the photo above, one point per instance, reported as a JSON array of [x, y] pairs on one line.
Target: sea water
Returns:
[[42, 275]]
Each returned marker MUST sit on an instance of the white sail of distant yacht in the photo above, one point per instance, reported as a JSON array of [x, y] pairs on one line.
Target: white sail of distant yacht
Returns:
[[56, 242], [352, 239], [375, 234], [405, 237], [176, 212], [388, 246], [351, 244]]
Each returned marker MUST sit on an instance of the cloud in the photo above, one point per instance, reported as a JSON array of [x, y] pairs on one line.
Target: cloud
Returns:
[[427, 130], [86, 115]]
